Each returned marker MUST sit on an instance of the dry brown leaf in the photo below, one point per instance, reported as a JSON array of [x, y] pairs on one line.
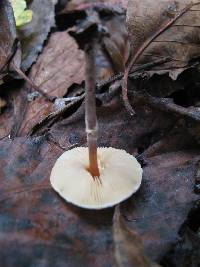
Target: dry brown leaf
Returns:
[[59, 66], [129, 251], [32, 35], [179, 42], [166, 196]]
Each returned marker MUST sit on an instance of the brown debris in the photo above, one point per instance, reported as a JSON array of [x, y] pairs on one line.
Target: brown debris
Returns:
[[59, 66]]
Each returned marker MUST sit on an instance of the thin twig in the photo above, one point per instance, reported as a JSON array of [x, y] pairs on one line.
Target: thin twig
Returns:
[[31, 83], [143, 67], [141, 50], [166, 105]]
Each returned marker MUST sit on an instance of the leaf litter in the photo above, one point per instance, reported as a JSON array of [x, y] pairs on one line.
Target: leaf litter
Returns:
[[160, 222]]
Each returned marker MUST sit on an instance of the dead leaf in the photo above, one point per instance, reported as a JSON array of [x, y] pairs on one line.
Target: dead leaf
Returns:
[[129, 251], [36, 226], [8, 39], [33, 34], [59, 66], [151, 37], [166, 196]]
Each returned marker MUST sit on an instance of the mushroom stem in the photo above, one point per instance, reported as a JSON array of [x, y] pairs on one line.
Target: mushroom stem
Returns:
[[90, 109]]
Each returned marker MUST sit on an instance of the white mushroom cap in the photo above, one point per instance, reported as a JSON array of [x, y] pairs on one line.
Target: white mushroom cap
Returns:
[[120, 177]]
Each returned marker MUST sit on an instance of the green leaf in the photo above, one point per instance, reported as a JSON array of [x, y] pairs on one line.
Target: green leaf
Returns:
[[22, 16]]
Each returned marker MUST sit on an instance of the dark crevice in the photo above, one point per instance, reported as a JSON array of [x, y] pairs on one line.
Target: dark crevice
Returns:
[[187, 98], [66, 20], [73, 89], [193, 220]]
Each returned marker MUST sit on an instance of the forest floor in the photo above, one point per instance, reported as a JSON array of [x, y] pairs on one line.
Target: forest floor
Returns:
[[161, 222]]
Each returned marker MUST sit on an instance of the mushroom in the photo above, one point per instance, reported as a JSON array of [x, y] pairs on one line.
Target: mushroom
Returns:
[[120, 176], [95, 178]]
